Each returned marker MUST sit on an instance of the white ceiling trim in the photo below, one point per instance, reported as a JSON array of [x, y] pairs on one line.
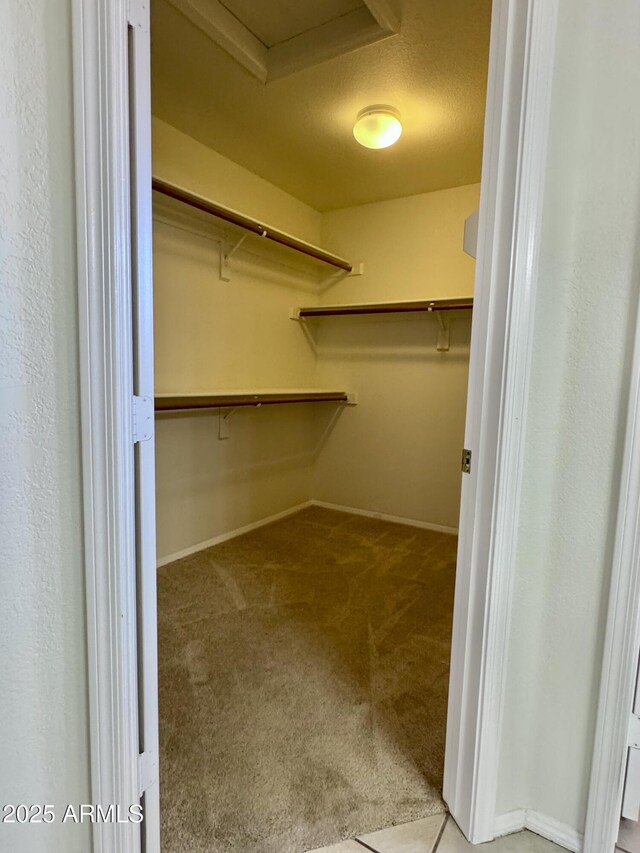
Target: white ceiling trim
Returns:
[[342, 35], [222, 27], [335, 38], [384, 15]]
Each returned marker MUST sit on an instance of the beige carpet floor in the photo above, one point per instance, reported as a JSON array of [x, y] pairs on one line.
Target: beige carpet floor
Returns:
[[303, 684]]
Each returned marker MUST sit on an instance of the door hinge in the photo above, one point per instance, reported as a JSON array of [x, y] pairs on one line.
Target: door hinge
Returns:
[[466, 461], [142, 418], [147, 771]]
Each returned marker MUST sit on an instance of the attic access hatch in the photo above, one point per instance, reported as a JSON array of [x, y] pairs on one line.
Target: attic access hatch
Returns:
[[274, 38]]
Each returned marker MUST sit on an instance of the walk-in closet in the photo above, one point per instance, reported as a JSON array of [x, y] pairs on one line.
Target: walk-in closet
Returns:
[[313, 304]]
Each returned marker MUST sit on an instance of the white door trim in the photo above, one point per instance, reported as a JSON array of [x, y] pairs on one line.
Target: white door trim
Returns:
[[100, 60], [621, 649], [518, 107], [143, 387]]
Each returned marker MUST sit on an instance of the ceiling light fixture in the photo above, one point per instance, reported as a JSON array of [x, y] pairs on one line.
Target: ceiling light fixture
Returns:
[[377, 127]]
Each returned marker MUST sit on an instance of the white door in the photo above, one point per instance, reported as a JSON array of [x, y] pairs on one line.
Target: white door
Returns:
[[142, 336]]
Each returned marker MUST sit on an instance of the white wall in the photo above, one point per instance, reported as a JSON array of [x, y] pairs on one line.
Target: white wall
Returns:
[[43, 694], [587, 299], [213, 335], [399, 451]]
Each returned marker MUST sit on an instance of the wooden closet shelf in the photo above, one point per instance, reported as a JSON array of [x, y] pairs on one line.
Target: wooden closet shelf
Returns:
[[412, 307], [186, 402], [248, 224]]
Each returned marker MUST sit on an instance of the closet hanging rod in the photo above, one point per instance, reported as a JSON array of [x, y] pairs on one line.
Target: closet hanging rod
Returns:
[[186, 402], [242, 221], [412, 307]]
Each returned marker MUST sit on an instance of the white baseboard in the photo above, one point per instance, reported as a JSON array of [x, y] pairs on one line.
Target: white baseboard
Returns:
[[224, 537], [396, 519], [548, 827], [560, 833], [507, 824], [247, 528]]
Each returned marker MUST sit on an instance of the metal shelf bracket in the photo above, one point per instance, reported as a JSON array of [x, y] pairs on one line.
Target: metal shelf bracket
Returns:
[[225, 257], [444, 330], [223, 424]]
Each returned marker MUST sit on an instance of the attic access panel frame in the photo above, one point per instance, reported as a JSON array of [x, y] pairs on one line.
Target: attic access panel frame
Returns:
[[372, 22]]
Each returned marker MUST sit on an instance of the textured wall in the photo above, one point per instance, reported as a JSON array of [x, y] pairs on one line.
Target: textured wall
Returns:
[[235, 335], [587, 299], [398, 451], [43, 694]]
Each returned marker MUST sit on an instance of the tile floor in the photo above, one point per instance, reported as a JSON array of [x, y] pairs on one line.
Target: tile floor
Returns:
[[629, 838], [438, 833]]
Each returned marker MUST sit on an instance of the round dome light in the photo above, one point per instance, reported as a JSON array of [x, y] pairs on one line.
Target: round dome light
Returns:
[[377, 127]]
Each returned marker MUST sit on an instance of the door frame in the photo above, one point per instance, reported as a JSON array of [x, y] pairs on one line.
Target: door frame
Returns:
[[521, 67], [513, 171], [622, 641], [113, 175]]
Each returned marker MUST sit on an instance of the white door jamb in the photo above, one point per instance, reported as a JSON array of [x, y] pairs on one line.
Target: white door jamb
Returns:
[[101, 112], [516, 131], [622, 641], [143, 388]]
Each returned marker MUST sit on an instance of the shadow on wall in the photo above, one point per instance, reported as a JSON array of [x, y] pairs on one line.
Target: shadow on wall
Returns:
[[385, 337]]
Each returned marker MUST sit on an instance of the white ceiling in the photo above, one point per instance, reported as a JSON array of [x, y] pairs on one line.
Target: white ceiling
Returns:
[[279, 20], [296, 131]]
